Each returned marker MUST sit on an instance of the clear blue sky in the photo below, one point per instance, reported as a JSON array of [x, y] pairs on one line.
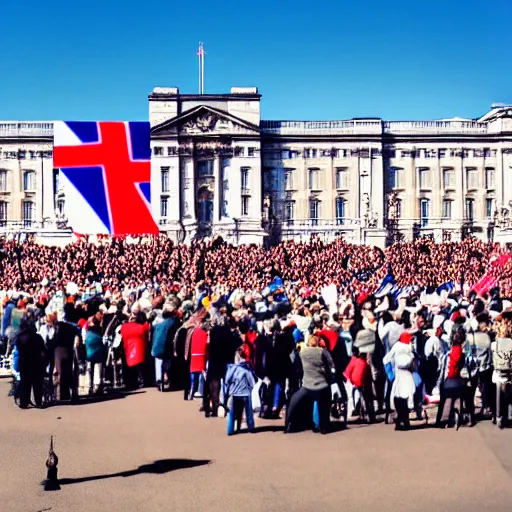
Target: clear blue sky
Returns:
[[317, 59]]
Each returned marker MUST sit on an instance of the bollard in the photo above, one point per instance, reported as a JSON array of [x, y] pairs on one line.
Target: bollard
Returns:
[[52, 480]]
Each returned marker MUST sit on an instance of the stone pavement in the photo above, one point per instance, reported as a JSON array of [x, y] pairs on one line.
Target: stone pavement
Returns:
[[108, 449]]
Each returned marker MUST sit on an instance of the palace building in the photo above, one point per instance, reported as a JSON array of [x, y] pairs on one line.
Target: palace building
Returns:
[[218, 169]]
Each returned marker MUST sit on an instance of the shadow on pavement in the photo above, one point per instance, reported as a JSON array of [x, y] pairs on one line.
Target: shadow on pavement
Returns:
[[94, 399], [158, 467]]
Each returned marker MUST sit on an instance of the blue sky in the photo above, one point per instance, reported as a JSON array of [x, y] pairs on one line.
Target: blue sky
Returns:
[[310, 59]]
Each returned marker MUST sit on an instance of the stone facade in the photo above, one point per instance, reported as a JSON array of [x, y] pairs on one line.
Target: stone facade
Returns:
[[217, 168]]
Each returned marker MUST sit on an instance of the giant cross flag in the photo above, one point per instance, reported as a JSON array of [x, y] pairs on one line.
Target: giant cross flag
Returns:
[[105, 169]]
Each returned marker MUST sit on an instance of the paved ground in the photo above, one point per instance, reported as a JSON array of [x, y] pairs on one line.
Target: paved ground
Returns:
[[107, 451]]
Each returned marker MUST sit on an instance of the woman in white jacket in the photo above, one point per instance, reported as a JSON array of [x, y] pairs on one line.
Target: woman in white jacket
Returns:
[[401, 358]]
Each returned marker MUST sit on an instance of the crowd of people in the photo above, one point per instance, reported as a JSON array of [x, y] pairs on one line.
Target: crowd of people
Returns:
[[305, 332]]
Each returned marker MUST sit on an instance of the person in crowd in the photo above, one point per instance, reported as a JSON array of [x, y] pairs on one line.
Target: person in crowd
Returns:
[[95, 354], [239, 383], [401, 358], [451, 384], [318, 370], [32, 362], [67, 339], [220, 353], [135, 336], [198, 358], [162, 338]]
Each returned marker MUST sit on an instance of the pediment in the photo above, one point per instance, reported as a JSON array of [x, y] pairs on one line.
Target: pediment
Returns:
[[204, 120]]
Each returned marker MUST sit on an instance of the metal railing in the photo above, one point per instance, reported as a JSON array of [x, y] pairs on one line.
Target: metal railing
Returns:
[[339, 223], [352, 126], [434, 127], [26, 129]]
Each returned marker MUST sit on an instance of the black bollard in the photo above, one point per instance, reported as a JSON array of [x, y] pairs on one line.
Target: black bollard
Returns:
[[52, 480]]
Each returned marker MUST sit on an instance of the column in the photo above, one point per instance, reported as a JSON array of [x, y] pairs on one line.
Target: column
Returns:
[[217, 189], [189, 186], [378, 197]]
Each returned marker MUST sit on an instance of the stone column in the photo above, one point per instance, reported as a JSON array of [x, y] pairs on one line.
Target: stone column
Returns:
[[217, 189], [189, 187]]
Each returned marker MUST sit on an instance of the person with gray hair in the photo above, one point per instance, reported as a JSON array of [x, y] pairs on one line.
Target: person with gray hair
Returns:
[[162, 337]]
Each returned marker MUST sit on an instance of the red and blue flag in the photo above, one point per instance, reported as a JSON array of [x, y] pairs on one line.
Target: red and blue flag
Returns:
[[105, 168]]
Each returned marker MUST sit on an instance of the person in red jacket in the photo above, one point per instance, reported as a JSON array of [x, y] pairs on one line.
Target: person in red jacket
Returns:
[[135, 336], [358, 373], [198, 358]]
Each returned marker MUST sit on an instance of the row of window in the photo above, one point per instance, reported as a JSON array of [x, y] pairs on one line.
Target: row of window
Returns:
[[447, 209], [205, 208], [28, 210], [315, 211], [29, 180], [25, 155], [393, 153], [396, 178], [173, 151], [205, 169]]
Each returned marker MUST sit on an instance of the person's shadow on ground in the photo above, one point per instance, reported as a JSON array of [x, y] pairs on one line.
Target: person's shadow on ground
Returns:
[[158, 467]]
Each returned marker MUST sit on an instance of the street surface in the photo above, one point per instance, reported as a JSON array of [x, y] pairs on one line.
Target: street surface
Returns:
[[108, 451]]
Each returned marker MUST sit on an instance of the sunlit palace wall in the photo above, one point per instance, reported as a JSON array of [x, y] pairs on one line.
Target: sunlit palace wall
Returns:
[[217, 168]]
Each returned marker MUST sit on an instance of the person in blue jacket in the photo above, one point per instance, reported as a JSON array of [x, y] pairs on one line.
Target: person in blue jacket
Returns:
[[239, 384]]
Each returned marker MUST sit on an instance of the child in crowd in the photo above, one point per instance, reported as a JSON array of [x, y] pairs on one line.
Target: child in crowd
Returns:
[[239, 383]]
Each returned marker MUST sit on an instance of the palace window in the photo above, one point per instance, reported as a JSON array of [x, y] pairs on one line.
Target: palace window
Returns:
[[471, 177], [29, 180], [288, 179], [447, 208], [314, 179], [3, 213], [172, 151], [310, 153], [251, 151], [3, 180], [425, 177], [244, 178], [164, 173], [448, 178], [205, 168], [27, 212], [289, 212], [398, 208], [470, 209], [314, 211], [442, 153], [158, 151], [286, 154], [22, 154], [340, 211], [490, 178], [342, 178], [424, 212], [396, 177], [342, 153], [245, 205], [489, 208], [164, 203]]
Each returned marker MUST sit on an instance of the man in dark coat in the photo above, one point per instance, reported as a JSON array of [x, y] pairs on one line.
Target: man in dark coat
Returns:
[[32, 362], [66, 340], [220, 348]]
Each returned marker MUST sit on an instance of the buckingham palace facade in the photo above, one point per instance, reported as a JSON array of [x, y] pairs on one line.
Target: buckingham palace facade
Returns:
[[218, 169]]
